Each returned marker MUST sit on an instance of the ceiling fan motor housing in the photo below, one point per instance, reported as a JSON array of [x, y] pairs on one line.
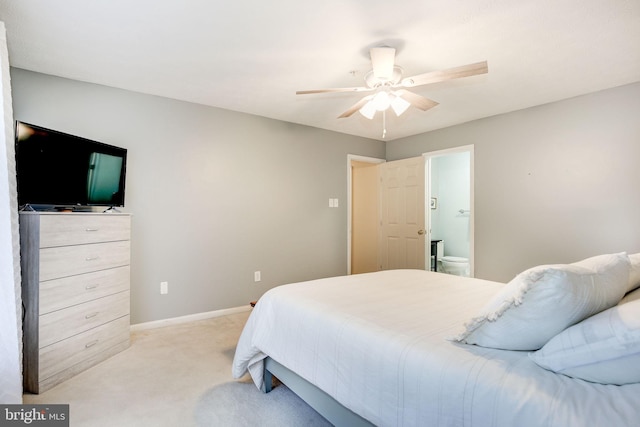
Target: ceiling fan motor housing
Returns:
[[373, 81], [382, 59]]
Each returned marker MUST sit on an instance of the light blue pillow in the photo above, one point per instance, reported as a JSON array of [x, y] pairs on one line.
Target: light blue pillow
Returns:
[[604, 348]]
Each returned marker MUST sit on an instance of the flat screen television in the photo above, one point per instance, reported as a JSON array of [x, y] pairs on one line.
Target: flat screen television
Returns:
[[58, 170]]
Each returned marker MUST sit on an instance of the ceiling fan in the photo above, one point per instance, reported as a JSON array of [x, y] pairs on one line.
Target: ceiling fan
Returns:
[[389, 87]]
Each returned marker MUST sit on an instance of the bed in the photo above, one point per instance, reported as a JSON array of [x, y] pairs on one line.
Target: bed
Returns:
[[389, 349]]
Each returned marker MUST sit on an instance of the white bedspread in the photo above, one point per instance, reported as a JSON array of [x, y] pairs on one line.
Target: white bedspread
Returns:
[[377, 344]]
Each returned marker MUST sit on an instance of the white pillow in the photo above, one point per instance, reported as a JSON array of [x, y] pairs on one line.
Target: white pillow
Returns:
[[541, 302], [604, 348], [634, 272]]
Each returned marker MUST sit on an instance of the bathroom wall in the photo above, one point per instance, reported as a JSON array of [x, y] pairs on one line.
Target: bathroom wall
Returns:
[[450, 184]]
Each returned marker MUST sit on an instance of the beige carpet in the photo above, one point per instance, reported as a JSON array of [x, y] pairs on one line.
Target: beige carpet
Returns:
[[161, 380]]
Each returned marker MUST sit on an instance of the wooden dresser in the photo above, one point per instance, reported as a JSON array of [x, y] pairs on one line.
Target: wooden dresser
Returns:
[[75, 292]]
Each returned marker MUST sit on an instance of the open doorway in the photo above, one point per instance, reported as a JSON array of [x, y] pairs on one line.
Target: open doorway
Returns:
[[386, 215], [363, 214], [449, 179]]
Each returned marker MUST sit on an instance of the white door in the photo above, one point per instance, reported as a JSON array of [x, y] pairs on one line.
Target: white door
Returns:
[[402, 209]]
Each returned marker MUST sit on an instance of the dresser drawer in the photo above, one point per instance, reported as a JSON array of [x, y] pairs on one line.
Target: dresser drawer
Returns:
[[75, 293], [76, 229], [61, 293], [59, 325], [65, 354], [66, 261]]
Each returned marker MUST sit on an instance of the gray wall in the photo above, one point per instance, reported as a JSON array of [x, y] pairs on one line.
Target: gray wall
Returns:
[[553, 184], [215, 195]]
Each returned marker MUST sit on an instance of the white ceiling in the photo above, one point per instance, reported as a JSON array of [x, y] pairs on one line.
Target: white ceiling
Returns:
[[252, 55]]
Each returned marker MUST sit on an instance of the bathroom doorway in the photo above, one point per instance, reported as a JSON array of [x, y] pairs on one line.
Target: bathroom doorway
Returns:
[[450, 221]]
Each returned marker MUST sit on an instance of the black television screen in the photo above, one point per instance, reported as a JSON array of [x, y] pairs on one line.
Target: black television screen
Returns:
[[61, 170]]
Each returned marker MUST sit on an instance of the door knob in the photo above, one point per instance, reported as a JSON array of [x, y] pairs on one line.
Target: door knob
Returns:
[[421, 232]]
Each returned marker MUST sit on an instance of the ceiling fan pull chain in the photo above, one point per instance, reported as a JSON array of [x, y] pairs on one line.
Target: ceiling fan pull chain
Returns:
[[384, 124]]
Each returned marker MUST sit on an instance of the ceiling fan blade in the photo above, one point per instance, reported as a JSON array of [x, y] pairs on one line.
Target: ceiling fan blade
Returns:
[[416, 100], [334, 90], [449, 74], [382, 61], [355, 107]]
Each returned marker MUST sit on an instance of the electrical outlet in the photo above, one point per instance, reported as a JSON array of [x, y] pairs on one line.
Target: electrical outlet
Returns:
[[256, 276], [164, 288]]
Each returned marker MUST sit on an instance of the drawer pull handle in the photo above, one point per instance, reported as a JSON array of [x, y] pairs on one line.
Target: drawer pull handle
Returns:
[[92, 258], [91, 229], [91, 344], [89, 316], [89, 287]]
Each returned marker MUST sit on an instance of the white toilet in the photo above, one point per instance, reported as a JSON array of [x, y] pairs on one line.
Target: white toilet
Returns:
[[455, 265]]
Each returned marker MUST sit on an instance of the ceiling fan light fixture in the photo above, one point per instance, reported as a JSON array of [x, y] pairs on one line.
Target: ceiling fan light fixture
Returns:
[[399, 105], [381, 101], [368, 110]]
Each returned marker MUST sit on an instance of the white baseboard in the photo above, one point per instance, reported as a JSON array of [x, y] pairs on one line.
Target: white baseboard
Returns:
[[188, 318]]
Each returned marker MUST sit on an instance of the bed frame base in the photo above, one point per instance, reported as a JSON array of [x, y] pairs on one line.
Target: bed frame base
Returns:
[[324, 404]]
